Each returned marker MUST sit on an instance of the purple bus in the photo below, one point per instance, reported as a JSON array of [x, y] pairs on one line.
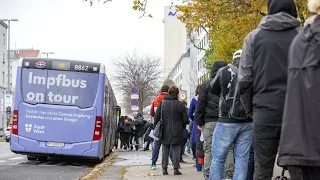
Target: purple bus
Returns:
[[63, 108]]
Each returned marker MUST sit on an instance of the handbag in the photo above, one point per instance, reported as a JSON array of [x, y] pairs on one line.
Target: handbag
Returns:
[[158, 129]]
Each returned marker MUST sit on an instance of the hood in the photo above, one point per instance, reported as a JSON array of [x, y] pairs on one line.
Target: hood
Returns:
[[286, 6], [216, 66], [278, 22]]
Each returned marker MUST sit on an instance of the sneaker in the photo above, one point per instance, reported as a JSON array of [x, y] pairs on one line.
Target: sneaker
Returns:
[[153, 167]]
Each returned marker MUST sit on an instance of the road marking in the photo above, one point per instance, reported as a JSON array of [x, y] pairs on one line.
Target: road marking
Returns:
[[16, 158]]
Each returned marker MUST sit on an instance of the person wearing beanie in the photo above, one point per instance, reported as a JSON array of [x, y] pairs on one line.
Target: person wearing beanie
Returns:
[[206, 114], [262, 80], [299, 145]]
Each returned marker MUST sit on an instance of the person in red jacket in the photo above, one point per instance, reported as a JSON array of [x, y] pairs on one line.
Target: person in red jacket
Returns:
[[160, 97], [157, 144]]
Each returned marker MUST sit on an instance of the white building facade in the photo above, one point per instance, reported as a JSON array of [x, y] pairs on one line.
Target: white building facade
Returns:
[[203, 44], [176, 41], [180, 74], [3, 70]]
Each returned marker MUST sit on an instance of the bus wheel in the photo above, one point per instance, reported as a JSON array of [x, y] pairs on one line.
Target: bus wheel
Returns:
[[32, 158], [43, 158]]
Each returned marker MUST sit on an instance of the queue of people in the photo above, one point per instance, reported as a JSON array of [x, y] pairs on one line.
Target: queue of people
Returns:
[[265, 103]]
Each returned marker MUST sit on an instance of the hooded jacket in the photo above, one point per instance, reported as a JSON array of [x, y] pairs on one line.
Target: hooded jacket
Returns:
[[262, 74], [299, 144], [208, 104]]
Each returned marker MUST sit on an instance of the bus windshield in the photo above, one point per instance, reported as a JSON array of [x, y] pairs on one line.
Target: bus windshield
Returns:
[[42, 86]]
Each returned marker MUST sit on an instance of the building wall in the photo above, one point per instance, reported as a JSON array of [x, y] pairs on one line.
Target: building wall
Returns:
[[3, 70], [176, 41], [202, 43], [180, 74]]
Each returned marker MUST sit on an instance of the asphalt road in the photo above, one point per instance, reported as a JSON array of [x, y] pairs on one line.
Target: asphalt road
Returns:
[[17, 167]]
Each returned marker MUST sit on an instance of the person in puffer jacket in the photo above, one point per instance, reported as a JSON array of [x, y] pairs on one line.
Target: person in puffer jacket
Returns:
[[207, 113]]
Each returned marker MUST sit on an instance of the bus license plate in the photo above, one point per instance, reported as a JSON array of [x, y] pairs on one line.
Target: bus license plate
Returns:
[[55, 144]]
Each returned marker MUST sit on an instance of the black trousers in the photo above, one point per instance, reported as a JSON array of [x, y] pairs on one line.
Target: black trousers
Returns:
[[126, 139], [194, 149], [295, 173], [175, 150], [310, 173], [265, 143]]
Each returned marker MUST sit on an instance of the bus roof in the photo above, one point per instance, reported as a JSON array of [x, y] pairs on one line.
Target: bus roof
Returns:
[[62, 64]]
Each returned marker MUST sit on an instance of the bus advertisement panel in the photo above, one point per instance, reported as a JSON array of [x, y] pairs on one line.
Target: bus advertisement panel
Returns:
[[59, 109]]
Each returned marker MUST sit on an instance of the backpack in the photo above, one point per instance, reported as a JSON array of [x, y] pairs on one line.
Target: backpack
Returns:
[[234, 104]]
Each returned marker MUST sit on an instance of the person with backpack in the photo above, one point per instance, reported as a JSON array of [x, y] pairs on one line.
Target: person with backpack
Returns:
[[207, 113], [233, 128]]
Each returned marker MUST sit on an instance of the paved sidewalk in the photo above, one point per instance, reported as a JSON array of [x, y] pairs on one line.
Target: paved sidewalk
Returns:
[[135, 165], [139, 172]]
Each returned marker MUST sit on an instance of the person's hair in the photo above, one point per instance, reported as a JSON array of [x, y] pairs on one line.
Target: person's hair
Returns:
[[197, 90], [314, 6], [165, 88], [174, 91]]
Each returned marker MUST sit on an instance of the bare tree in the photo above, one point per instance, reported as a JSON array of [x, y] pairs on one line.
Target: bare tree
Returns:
[[142, 72]]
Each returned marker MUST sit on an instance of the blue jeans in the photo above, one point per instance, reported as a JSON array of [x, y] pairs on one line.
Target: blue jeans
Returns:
[[155, 151], [226, 134]]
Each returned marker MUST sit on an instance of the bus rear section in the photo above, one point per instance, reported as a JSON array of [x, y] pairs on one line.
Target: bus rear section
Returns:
[[58, 109]]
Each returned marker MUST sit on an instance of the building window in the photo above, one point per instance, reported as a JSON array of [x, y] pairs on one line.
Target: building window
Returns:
[[3, 58], [4, 39], [3, 78]]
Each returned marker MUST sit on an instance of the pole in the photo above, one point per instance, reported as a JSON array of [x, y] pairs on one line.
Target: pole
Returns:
[[8, 91]]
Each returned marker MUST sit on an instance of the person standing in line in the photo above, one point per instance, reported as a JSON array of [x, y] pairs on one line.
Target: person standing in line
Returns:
[[299, 144], [262, 80], [157, 143], [230, 130], [192, 109], [174, 116], [207, 113]]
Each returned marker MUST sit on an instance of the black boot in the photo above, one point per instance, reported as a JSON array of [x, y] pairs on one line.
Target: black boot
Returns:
[[165, 172], [177, 172]]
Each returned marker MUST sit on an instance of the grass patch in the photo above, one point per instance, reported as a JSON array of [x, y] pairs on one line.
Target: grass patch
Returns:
[[123, 171]]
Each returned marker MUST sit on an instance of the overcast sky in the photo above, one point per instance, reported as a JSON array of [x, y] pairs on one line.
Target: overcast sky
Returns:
[[73, 29]]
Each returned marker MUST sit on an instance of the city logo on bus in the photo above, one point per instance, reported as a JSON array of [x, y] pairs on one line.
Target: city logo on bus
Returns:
[[28, 127], [40, 64]]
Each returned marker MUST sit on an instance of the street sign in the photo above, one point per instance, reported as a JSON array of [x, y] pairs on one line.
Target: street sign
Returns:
[[8, 110], [134, 96], [135, 108], [134, 102], [8, 100], [134, 90]]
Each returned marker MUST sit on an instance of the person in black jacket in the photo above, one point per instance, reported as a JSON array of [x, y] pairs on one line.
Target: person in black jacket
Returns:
[[175, 119], [262, 79], [229, 131], [206, 114], [299, 145]]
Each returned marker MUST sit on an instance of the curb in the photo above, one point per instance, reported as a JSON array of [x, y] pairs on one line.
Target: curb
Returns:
[[98, 169]]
